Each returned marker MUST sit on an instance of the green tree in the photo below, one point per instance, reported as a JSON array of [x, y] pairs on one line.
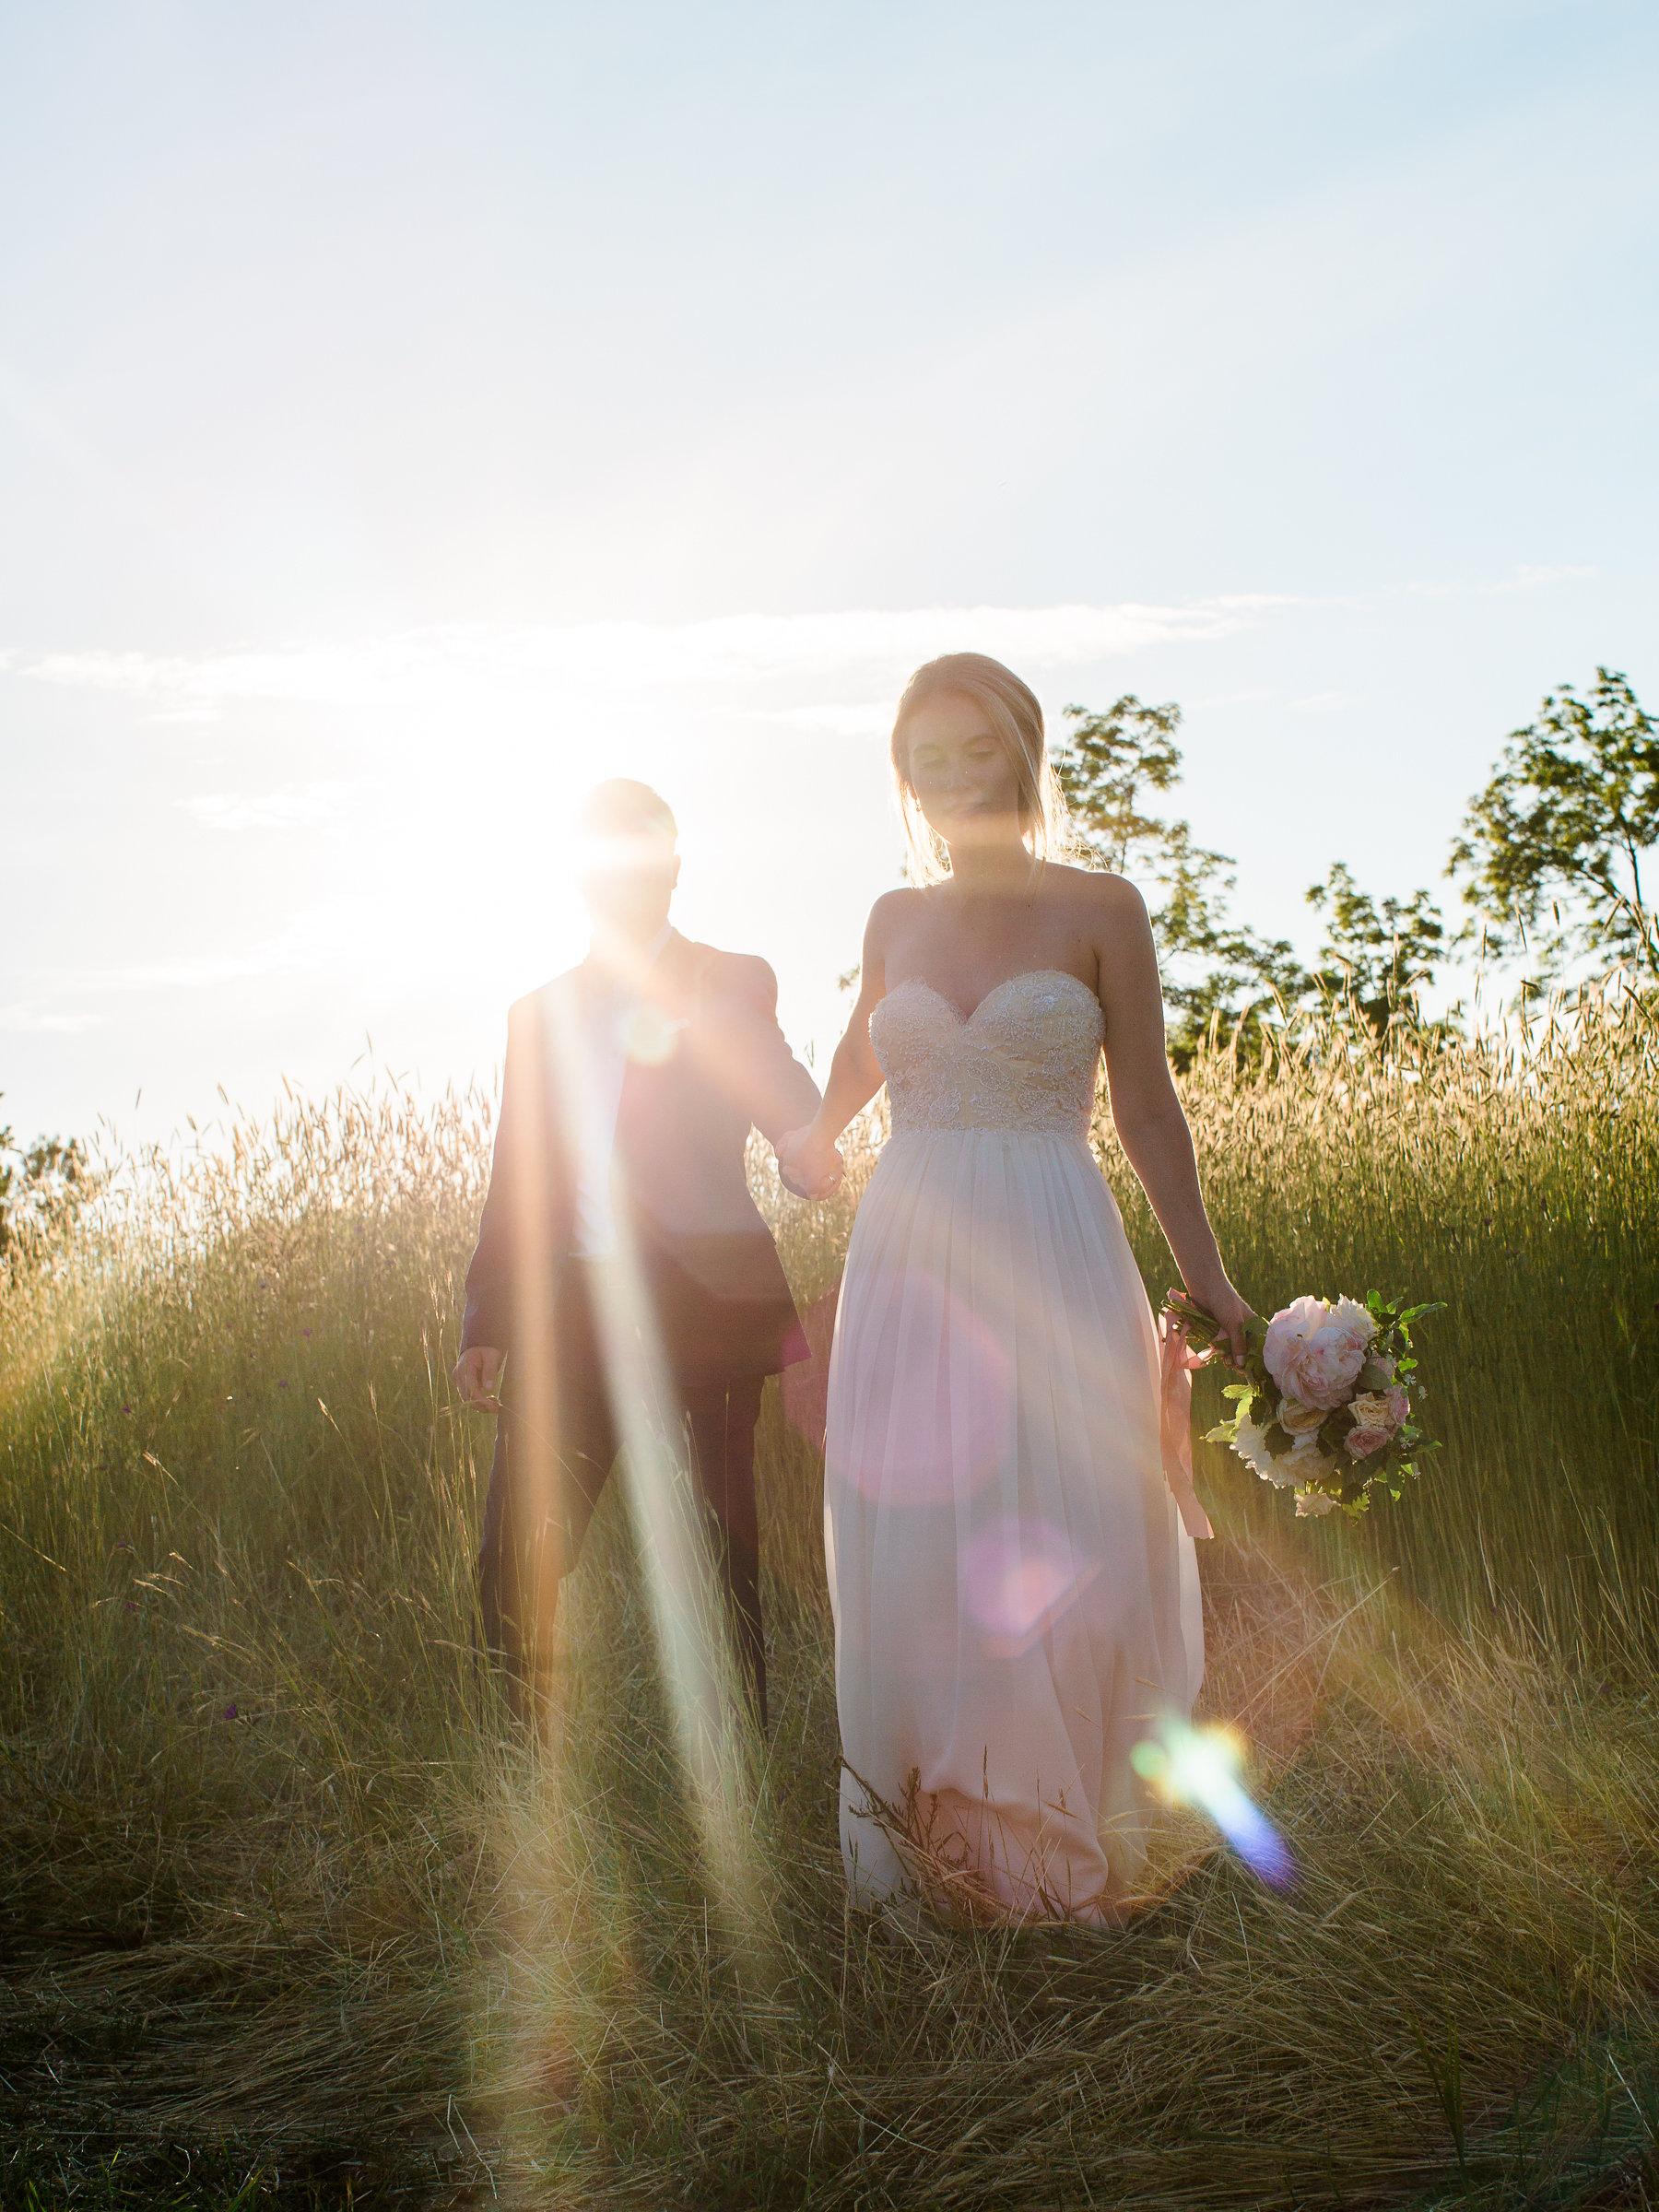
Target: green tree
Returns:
[[1217, 978], [41, 1190], [1105, 763], [1373, 962], [1570, 814]]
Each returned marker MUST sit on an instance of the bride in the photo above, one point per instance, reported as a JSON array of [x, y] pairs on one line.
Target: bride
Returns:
[[1015, 1599]]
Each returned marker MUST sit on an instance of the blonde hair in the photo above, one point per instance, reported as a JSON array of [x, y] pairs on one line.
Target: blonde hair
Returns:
[[1014, 713]]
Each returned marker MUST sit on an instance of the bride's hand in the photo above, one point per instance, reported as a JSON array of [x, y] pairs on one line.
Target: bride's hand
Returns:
[[810, 1165], [1231, 1312]]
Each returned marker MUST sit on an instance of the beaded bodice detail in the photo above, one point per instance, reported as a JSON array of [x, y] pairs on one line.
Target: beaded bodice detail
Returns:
[[1024, 1059]]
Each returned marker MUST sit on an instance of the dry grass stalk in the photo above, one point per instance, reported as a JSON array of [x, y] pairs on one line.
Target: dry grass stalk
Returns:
[[272, 1868]]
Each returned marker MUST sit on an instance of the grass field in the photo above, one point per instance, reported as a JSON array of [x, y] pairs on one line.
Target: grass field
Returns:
[[288, 1914]]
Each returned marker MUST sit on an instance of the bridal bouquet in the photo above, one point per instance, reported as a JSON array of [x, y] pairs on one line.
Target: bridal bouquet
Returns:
[[1327, 1400]]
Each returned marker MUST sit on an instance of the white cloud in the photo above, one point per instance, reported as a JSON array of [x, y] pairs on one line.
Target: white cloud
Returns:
[[287, 809], [474, 660], [25, 1015], [311, 940], [873, 720], [1529, 578], [191, 975], [472, 664]]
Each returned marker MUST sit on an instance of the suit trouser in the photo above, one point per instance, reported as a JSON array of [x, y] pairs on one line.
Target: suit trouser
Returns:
[[720, 1414]]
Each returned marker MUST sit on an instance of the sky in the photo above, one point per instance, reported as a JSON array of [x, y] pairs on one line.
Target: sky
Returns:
[[410, 414]]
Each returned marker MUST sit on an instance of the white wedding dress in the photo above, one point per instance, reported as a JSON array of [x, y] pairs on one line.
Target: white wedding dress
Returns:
[[1016, 1599]]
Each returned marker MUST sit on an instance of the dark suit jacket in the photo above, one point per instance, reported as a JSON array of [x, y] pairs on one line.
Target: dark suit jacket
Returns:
[[714, 1065]]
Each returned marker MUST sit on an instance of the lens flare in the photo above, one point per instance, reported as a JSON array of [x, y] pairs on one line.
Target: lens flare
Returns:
[[694, 1649], [1019, 1578], [612, 852], [1200, 1766]]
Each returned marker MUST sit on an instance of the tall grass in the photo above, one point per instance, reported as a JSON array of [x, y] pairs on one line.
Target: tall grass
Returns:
[[275, 1876], [1518, 1181]]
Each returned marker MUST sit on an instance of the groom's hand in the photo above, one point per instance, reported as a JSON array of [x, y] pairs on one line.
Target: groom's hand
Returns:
[[806, 1166], [477, 1376]]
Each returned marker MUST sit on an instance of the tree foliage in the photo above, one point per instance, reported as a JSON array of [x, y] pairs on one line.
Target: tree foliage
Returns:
[[42, 1189], [1375, 960], [1570, 814], [1105, 764], [1217, 976]]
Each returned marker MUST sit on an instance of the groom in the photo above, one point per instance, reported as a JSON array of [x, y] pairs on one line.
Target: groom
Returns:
[[630, 1087]]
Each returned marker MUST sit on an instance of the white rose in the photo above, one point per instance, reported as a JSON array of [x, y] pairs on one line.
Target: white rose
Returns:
[[1297, 1420], [1309, 1504]]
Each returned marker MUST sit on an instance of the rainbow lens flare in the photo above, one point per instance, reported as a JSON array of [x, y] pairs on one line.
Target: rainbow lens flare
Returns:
[[1200, 1767]]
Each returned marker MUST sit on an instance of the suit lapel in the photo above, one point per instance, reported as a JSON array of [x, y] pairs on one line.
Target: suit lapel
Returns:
[[673, 978]]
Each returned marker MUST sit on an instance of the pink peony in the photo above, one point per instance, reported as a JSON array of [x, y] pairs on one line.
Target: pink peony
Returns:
[[1314, 1351]]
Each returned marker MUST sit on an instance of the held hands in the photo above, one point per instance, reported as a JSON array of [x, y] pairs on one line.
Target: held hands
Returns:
[[476, 1375], [809, 1164]]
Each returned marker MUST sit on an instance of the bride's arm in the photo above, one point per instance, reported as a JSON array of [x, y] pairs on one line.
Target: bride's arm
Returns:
[[808, 1156], [1145, 1112]]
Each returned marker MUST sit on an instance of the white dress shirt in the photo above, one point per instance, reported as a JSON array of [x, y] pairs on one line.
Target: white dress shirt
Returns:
[[609, 1015]]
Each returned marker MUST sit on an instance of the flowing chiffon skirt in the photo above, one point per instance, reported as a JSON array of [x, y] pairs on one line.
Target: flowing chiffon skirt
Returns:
[[1016, 1600]]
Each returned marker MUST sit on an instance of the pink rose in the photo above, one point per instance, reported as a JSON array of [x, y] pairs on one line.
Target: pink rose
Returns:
[[1362, 1442], [1314, 1351], [1377, 1409]]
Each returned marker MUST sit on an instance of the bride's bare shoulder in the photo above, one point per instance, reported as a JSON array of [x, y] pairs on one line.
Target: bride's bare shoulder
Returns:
[[890, 911], [1095, 890]]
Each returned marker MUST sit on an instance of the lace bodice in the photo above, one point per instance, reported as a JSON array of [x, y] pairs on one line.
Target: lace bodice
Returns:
[[1024, 1059]]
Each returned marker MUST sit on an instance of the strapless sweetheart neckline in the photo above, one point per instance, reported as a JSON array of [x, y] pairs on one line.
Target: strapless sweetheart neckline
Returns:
[[1023, 1061], [1026, 975]]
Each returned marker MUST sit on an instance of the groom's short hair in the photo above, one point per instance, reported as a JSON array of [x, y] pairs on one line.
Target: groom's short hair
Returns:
[[620, 807]]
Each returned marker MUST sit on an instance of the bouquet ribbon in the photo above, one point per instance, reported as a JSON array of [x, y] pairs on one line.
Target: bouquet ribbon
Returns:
[[1177, 1359]]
